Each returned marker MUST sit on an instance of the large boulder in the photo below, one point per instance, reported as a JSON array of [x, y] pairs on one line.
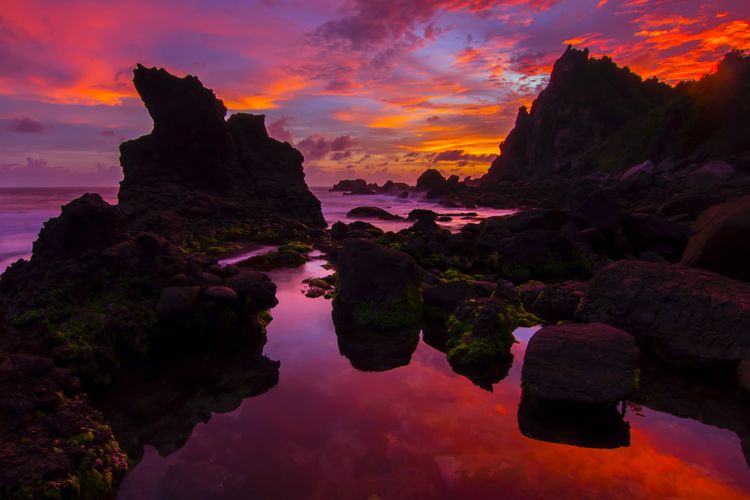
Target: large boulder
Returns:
[[684, 315], [580, 363], [430, 179], [721, 240], [554, 302], [377, 286], [654, 234]]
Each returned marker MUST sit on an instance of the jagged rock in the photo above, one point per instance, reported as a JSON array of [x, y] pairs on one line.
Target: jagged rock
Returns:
[[354, 186], [377, 286], [580, 363], [721, 240], [585, 103], [595, 116], [683, 315], [197, 165], [372, 213]]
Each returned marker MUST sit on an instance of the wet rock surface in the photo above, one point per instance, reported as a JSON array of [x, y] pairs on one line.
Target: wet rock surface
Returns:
[[682, 314], [377, 287], [580, 363]]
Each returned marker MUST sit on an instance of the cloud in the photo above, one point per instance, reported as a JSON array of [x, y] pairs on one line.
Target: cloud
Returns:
[[37, 172], [458, 155], [317, 147], [25, 125], [279, 131]]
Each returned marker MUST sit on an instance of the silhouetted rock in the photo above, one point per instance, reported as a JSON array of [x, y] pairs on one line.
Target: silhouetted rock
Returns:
[[586, 101], [357, 186], [430, 179], [721, 240], [376, 286], [371, 213], [595, 116], [682, 314], [580, 363], [201, 168]]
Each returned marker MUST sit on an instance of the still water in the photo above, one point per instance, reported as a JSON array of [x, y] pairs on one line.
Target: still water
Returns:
[[326, 430]]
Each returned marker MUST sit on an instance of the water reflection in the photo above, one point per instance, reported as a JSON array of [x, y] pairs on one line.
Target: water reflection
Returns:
[[160, 405], [374, 351], [588, 426]]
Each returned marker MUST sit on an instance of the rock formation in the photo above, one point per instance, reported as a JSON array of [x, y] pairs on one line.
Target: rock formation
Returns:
[[594, 115], [200, 168]]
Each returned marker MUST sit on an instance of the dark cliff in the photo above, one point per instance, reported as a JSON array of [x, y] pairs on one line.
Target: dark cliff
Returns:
[[594, 116]]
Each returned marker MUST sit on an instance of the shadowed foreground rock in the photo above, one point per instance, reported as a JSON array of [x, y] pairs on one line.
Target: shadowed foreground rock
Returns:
[[580, 363], [683, 315], [721, 240], [377, 287]]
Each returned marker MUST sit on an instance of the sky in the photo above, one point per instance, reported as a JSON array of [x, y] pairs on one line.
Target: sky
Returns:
[[378, 89]]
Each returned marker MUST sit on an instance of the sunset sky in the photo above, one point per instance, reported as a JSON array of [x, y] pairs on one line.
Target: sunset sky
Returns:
[[364, 88]]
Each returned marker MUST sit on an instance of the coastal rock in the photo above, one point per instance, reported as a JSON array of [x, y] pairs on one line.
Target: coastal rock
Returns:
[[255, 288], [654, 234], [86, 224], [581, 363], [684, 315], [197, 166], [371, 213], [430, 179], [220, 293], [554, 302], [641, 173], [377, 286], [721, 240]]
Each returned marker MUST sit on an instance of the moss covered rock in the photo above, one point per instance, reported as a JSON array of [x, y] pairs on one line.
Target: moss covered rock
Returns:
[[377, 287]]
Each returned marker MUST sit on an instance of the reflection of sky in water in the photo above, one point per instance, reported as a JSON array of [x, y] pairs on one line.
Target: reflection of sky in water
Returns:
[[420, 431], [329, 431]]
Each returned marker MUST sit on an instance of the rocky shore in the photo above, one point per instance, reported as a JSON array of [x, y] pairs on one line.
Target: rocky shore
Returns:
[[115, 297]]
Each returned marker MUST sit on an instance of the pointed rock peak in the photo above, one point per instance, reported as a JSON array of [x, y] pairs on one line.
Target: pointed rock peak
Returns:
[[571, 59], [171, 100]]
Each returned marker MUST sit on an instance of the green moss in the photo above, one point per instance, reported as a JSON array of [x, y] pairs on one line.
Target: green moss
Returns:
[[455, 275], [396, 313], [296, 246]]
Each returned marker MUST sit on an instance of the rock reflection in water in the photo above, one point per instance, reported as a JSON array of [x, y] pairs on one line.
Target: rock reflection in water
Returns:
[[484, 376], [375, 351], [160, 406], [587, 426]]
